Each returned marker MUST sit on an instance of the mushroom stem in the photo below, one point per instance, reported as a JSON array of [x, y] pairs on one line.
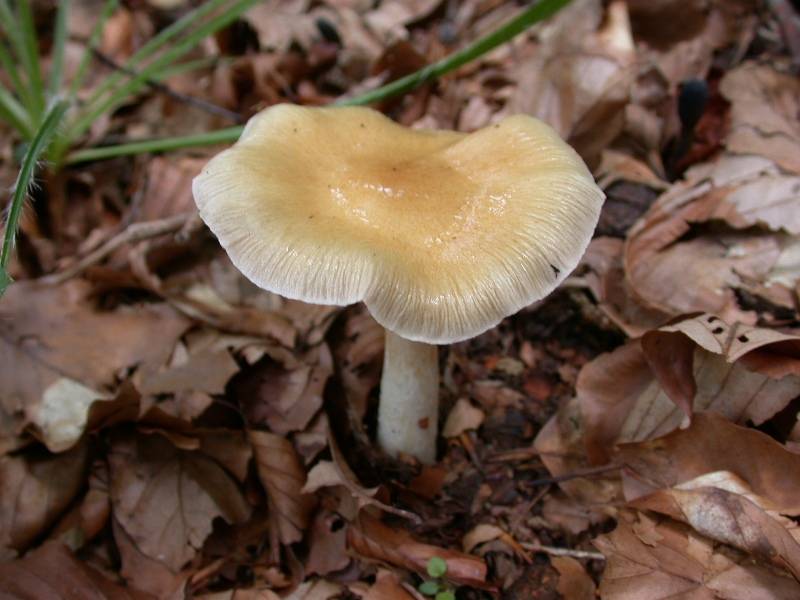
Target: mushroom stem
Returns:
[[408, 416]]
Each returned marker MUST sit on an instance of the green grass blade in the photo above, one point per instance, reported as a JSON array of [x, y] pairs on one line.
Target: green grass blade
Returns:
[[39, 144], [31, 61], [221, 136], [59, 43], [154, 45], [171, 55], [14, 113], [528, 17], [14, 59], [139, 81], [97, 30], [10, 66]]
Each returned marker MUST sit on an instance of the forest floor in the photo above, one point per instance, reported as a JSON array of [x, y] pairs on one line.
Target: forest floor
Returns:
[[168, 430]]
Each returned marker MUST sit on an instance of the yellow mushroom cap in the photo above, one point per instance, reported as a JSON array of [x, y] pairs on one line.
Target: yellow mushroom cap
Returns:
[[441, 234]]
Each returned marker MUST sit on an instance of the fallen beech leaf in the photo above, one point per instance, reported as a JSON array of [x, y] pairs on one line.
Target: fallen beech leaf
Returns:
[[372, 539], [166, 499], [711, 444], [574, 582], [764, 108], [86, 520], [64, 411], [52, 573], [480, 534], [206, 371], [463, 417], [388, 587], [359, 358], [328, 544], [283, 476], [730, 518], [147, 574], [34, 491], [746, 198], [43, 339], [230, 448], [578, 80], [607, 282], [625, 395], [660, 560], [285, 393]]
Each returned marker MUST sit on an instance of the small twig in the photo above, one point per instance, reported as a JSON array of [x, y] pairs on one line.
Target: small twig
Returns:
[[162, 88], [133, 233], [575, 475], [553, 551]]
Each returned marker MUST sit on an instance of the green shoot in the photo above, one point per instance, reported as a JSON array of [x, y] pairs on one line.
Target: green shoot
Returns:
[[59, 44], [38, 145], [527, 18], [436, 587]]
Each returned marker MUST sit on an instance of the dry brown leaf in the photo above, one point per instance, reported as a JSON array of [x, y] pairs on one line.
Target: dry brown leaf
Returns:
[[712, 444], [373, 540], [388, 587], [285, 392], [86, 520], [359, 357], [728, 517], [389, 19], [578, 80], [663, 559], [44, 347], [34, 491], [52, 573], [328, 544], [462, 417], [147, 574], [166, 499], [607, 282], [752, 208], [574, 582], [764, 108], [630, 394], [283, 476]]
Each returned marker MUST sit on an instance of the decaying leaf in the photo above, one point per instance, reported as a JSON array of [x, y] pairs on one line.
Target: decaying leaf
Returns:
[[166, 499], [743, 210], [373, 540], [34, 491], [664, 559], [729, 517], [283, 476], [52, 573], [764, 108], [44, 347], [634, 392], [713, 444], [462, 417], [574, 582], [283, 392]]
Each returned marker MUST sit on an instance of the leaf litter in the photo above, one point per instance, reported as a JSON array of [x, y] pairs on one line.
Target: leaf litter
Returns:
[[168, 430]]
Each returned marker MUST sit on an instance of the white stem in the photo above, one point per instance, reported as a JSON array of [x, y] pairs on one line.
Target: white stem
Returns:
[[408, 416]]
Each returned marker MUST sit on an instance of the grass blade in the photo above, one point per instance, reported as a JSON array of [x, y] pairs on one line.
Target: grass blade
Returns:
[[10, 67], [30, 58], [221, 136], [59, 43], [528, 17], [15, 57], [171, 55], [108, 8], [154, 45], [14, 113], [39, 144]]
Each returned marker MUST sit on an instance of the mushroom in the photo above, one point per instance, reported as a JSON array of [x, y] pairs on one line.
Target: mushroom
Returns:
[[441, 234]]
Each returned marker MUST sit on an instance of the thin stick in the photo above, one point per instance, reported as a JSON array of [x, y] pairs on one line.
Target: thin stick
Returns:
[[588, 472], [554, 551], [133, 233], [162, 88], [520, 23]]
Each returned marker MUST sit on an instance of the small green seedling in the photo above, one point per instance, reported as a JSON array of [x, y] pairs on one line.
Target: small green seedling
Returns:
[[436, 587]]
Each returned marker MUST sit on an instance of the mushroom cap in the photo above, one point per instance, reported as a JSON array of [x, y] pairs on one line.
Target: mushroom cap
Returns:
[[441, 234]]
